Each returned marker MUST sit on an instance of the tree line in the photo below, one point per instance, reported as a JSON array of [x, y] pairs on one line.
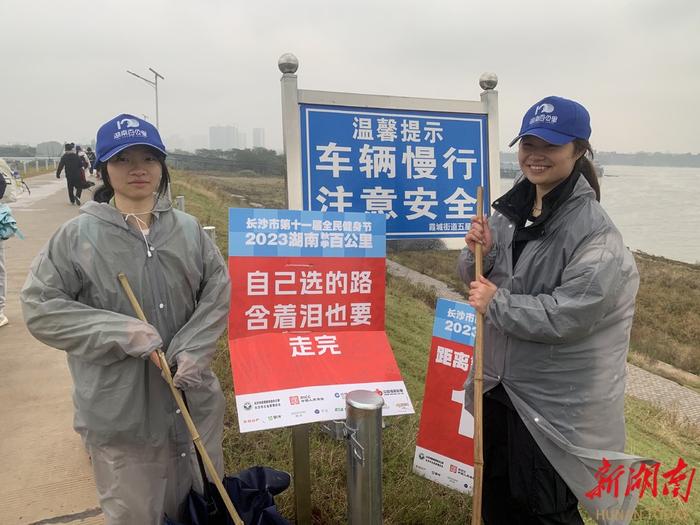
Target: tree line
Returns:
[[262, 161]]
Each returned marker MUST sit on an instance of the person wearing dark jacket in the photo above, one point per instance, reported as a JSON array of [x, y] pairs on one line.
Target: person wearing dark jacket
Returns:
[[91, 157], [72, 163]]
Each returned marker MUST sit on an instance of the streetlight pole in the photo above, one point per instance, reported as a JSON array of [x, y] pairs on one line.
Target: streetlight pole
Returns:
[[153, 83]]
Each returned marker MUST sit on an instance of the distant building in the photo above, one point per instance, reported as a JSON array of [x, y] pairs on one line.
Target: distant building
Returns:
[[241, 140], [258, 137], [49, 149], [222, 137]]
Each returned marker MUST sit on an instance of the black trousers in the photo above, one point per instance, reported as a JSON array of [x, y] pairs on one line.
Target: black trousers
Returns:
[[74, 185], [520, 484]]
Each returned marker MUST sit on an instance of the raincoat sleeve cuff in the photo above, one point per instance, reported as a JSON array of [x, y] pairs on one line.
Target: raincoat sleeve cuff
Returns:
[[143, 344]]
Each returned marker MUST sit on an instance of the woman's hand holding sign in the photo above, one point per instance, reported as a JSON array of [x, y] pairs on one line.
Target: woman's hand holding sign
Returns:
[[479, 232]]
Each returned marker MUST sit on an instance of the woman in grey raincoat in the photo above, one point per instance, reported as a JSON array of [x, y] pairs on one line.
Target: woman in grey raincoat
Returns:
[[141, 451], [558, 296]]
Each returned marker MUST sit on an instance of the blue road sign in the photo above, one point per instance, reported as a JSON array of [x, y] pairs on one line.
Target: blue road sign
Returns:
[[418, 168]]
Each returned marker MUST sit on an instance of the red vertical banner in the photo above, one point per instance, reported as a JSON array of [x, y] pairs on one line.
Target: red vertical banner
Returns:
[[445, 446]]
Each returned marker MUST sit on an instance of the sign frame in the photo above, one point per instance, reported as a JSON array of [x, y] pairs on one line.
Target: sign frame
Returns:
[[293, 98]]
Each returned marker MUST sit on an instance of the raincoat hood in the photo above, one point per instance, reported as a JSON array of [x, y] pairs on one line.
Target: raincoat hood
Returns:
[[109, 213]]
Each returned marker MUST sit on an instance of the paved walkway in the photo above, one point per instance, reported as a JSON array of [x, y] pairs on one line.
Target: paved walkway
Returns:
[[45, 474], [666, 394]]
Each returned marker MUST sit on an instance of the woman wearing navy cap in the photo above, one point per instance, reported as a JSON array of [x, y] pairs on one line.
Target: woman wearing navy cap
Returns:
[[558, 294], [141, 451]]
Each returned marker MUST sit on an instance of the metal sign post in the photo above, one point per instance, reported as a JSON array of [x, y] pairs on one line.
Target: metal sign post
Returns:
[[364, 433], [288, 65], [302, 473]]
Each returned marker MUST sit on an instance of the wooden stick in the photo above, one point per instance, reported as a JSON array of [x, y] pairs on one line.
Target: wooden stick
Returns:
[[183, 409], [478, 381]]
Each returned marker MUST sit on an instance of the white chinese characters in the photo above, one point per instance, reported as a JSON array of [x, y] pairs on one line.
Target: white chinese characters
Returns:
[[448, 357], [314, 345]]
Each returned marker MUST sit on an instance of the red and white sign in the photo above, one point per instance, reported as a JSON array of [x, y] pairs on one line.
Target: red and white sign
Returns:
[[445, 446], [305, 330]]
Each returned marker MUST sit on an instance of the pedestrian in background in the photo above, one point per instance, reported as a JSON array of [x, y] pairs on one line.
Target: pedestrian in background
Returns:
[[8, 228], [91, 157], [6, 186], [558, 294], [142, 454], [72, 164], [84, 165]]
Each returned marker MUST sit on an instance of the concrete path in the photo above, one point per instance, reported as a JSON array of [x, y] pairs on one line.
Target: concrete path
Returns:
[[45, 473], [666, 394]]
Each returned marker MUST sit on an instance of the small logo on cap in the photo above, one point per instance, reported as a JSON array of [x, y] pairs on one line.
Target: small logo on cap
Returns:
[[542, 118], [127, 123]]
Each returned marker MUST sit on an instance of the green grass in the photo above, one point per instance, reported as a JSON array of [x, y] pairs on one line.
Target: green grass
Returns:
[[667, 315], [408, 499], [667, 318]]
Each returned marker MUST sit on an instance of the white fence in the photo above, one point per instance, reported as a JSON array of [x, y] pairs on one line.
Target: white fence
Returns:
[[22, 164]]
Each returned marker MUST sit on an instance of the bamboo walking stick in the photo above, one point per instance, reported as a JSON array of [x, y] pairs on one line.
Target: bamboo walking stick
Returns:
[[211, 470], [478, 380]]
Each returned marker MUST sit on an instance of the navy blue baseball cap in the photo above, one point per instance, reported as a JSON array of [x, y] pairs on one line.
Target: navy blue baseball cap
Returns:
[[556, 120], [122, 132]]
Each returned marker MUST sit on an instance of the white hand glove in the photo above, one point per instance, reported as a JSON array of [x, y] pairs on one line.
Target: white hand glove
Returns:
[[188, 374]]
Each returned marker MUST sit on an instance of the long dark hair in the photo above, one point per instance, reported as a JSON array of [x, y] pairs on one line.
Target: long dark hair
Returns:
[[105, 192], [584, 164]]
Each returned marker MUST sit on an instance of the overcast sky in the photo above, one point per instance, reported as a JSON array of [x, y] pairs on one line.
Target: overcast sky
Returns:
[[635, 64]]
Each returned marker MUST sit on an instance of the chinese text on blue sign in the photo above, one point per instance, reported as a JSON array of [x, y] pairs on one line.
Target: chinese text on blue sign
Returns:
[[420, 169]]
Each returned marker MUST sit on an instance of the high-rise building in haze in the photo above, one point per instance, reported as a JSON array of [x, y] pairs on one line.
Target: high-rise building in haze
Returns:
[[258, 137], [223, 137], [241, 140]]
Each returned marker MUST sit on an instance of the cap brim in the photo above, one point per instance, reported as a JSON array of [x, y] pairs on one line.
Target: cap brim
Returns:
[[111, 153], [548, 135]]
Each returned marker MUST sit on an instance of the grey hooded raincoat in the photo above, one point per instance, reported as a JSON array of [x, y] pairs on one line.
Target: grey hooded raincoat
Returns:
[[556, 336], [124, 410]]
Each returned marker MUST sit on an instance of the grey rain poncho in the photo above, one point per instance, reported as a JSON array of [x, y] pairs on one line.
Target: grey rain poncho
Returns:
[[556, 334], [124, 409]]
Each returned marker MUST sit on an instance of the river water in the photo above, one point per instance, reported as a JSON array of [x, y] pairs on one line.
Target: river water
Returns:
[[657, 209]]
